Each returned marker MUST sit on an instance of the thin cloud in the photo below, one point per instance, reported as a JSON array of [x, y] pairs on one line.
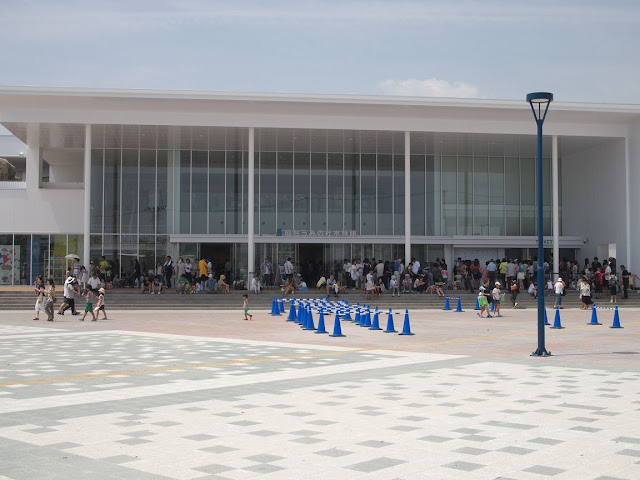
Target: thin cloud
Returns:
[[431, 87]]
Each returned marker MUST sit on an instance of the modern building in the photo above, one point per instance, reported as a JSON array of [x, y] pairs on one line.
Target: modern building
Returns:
[[319, 178]]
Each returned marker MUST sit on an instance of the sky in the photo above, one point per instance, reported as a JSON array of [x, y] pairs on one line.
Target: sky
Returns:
[[580, 50]]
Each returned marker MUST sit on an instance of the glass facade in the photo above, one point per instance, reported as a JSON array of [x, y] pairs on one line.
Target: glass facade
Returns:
[[150, 183], [24, 256]]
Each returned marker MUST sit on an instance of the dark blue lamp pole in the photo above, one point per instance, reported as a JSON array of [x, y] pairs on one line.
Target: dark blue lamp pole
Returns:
[[539, 102]]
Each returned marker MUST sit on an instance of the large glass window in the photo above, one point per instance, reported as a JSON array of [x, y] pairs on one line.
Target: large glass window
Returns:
[[111, 191], [285, 191], [334, 191], [199, 191], [368, 189], [481, 196], [217, 185], [496, 196], [301, 186], [465, 195], [398, 195], [417, 195], [352, 192], [449, 195], [319, 191], [184, 217], [148, 199], [129, 191], [163, 191], [234, 192], [267, 197], [385, 194], [97, 179]]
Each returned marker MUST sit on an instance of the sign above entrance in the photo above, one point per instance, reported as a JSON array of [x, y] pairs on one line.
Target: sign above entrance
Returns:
[[316, 233]]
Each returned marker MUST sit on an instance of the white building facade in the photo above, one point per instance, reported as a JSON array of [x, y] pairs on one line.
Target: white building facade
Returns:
[[237, 177]]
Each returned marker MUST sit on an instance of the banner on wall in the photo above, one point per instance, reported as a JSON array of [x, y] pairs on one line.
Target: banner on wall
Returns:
[[7, 265]]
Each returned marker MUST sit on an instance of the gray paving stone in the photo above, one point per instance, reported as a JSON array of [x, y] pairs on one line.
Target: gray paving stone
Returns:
[[218, 449], [516, 450], [633, 440], [435, 439], [334, 452], [542, 470], [465, 466], [471, 451], [214, 468], [629, 452], [200, 437], [545, 441], [375, 464], [263, 468], [264, 458]]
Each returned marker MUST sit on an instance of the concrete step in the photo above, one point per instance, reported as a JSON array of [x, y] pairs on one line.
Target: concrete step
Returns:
[[130, 299]]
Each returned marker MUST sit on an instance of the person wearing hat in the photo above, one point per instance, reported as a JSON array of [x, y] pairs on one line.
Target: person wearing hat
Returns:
[[223, 287], [70, 289], [210, 284], [495, 294], [100, 305], [94, 283], [483, 302]]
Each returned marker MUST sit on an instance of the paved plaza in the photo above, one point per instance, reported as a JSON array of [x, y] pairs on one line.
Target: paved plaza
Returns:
[[205, 395]]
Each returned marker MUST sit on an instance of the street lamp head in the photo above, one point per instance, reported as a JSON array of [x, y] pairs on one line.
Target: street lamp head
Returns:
[[540, 97], [541, 100]]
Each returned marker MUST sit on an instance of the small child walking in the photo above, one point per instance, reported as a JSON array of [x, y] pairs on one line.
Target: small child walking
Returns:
[[100, 305], [245, 306], [88, 308]]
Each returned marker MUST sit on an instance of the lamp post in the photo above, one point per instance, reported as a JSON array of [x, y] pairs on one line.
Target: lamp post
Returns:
[[539, 102]]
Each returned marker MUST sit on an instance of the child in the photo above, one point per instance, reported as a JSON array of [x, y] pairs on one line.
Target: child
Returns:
[[495, 293], [100, 306], [393, 286], [483, 303], [255, 284], [88, 308], [245, 306]]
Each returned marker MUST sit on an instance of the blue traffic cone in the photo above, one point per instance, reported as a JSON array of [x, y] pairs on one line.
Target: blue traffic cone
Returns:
[[375, 325], [302, 315], [309, 325], [281, 305], [357, 317], [594, 316], [406, 328], [546, 320], [292, 312], [367, 319], [337, 330], [390, 327], [616, 319], [347, 316], [321, 328], [274, 307], [446, 304], [556, 320], [477, 304], [493, 307], [459, 307]]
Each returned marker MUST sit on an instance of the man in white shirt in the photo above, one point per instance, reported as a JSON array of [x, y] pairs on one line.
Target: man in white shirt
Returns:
[[288, 268], [415, 267], [559, 290]]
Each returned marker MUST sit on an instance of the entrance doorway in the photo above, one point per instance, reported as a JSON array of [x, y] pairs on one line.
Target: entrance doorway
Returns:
[[219, 254], [311, 262]]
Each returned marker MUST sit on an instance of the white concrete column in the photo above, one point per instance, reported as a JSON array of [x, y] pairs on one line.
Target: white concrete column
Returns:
[[33, 162], [251, 247], [86, 254], [407, 197], [627, 199], [556, 208]]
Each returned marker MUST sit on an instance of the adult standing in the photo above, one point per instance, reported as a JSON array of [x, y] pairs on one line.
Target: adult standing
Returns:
[[137, 273], [559, 291], [491, 269], [104, 268], [626, 275], [168, 271], [39, 289], [180, 268], [50, 299], [202, 270], [515, 290], [585, 293], [266, 270], [288, 268]]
